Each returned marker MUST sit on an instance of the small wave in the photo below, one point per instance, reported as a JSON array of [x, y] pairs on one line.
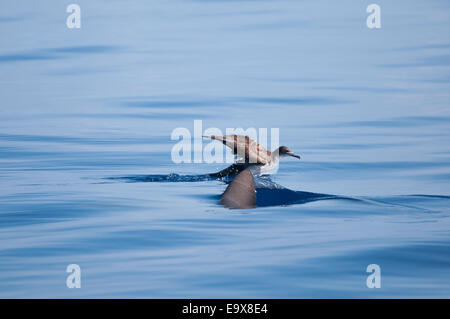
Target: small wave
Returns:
[[429, 196], [264, 181], [269, 193], [173, 178]]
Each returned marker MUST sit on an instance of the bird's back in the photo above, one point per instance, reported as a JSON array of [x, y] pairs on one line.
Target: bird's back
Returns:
[[245, 148]]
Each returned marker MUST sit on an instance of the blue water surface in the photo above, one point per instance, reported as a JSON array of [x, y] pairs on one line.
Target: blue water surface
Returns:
[[86, 175]]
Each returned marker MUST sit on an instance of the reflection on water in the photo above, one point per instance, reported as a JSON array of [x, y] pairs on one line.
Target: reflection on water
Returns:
[[55, 53], [269, 193], [86, 175]]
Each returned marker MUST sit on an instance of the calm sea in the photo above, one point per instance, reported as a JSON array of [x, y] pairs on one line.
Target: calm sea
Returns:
[[367, 109]]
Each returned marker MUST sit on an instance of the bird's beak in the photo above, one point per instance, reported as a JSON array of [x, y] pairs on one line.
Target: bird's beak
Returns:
[[293, 155]]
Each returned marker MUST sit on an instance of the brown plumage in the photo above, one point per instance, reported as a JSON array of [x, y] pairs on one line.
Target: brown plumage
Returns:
[[251, 155], [246, 149]]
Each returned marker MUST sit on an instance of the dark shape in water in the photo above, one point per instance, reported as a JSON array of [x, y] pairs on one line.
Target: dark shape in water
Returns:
[[244, 191], [240, 193], [231, 170], [284, 196]]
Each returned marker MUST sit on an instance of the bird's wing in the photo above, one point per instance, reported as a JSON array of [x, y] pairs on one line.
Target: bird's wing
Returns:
[[245, 148]]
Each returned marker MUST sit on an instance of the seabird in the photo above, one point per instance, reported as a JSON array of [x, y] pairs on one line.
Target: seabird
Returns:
[[251, 155]]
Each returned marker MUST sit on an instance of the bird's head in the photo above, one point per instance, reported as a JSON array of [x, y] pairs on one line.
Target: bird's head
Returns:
[[286, 151]]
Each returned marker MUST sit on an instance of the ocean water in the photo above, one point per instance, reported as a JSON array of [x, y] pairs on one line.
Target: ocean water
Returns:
[[86, 175]]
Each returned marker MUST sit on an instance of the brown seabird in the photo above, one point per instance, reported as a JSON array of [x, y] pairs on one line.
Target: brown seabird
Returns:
[[251, 155]]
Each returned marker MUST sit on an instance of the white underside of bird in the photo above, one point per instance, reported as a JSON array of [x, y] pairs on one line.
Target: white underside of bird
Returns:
[[266, 169]]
